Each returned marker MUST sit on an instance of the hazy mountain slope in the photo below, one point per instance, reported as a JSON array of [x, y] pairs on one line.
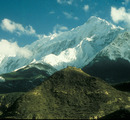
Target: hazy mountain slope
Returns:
[[25, 78], [76, 47], [69, 93], [113, 62]]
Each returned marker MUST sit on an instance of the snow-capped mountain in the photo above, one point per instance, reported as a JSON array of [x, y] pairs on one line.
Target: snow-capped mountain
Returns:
[[76, 47], [113, 62], [119, 48]]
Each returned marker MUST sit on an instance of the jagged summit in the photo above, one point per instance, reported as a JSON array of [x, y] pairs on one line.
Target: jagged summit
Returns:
[[68, 94], [103, 22], [94, 19]]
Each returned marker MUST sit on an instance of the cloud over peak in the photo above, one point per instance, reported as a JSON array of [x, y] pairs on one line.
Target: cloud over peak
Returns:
[[120, 15], [13, 27], [10, 49], [59, 28]]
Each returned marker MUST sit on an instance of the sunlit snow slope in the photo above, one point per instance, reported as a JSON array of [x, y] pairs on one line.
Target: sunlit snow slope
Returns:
[[76, 47]]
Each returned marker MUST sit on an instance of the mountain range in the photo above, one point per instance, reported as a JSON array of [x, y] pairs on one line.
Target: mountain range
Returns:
[[97, 45], [44, 86], [76, 47]]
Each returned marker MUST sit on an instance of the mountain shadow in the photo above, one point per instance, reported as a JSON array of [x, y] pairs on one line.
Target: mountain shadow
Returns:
[[112, 71], [122, 114], [124, 86]]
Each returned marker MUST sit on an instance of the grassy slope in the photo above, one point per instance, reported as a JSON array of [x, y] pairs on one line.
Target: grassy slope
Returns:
[[69, 93], [6, 100]]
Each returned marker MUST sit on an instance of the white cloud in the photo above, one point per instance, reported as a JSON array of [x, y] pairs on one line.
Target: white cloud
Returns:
[[69, 2], [70, 16], [12, 27], [76, 18], [12, 49], [52, 12], [119, 15], [86, 8], [126, 2], [59, 28]]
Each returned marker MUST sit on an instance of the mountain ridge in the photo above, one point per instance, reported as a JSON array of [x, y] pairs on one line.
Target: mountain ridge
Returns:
[[26, 78], [76, 47], [113, 62]]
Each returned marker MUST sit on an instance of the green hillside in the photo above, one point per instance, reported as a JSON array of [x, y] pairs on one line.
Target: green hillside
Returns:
[[68, 94]]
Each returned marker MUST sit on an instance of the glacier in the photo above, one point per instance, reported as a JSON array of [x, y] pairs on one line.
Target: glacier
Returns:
[[76, 47]]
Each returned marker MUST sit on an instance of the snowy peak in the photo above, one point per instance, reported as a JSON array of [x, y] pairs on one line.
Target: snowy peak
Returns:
[[76, 47], [95, 27], [83, 43], [96, 21]]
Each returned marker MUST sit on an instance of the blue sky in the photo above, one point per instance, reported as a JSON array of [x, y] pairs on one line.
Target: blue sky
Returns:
[[24, 20]]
